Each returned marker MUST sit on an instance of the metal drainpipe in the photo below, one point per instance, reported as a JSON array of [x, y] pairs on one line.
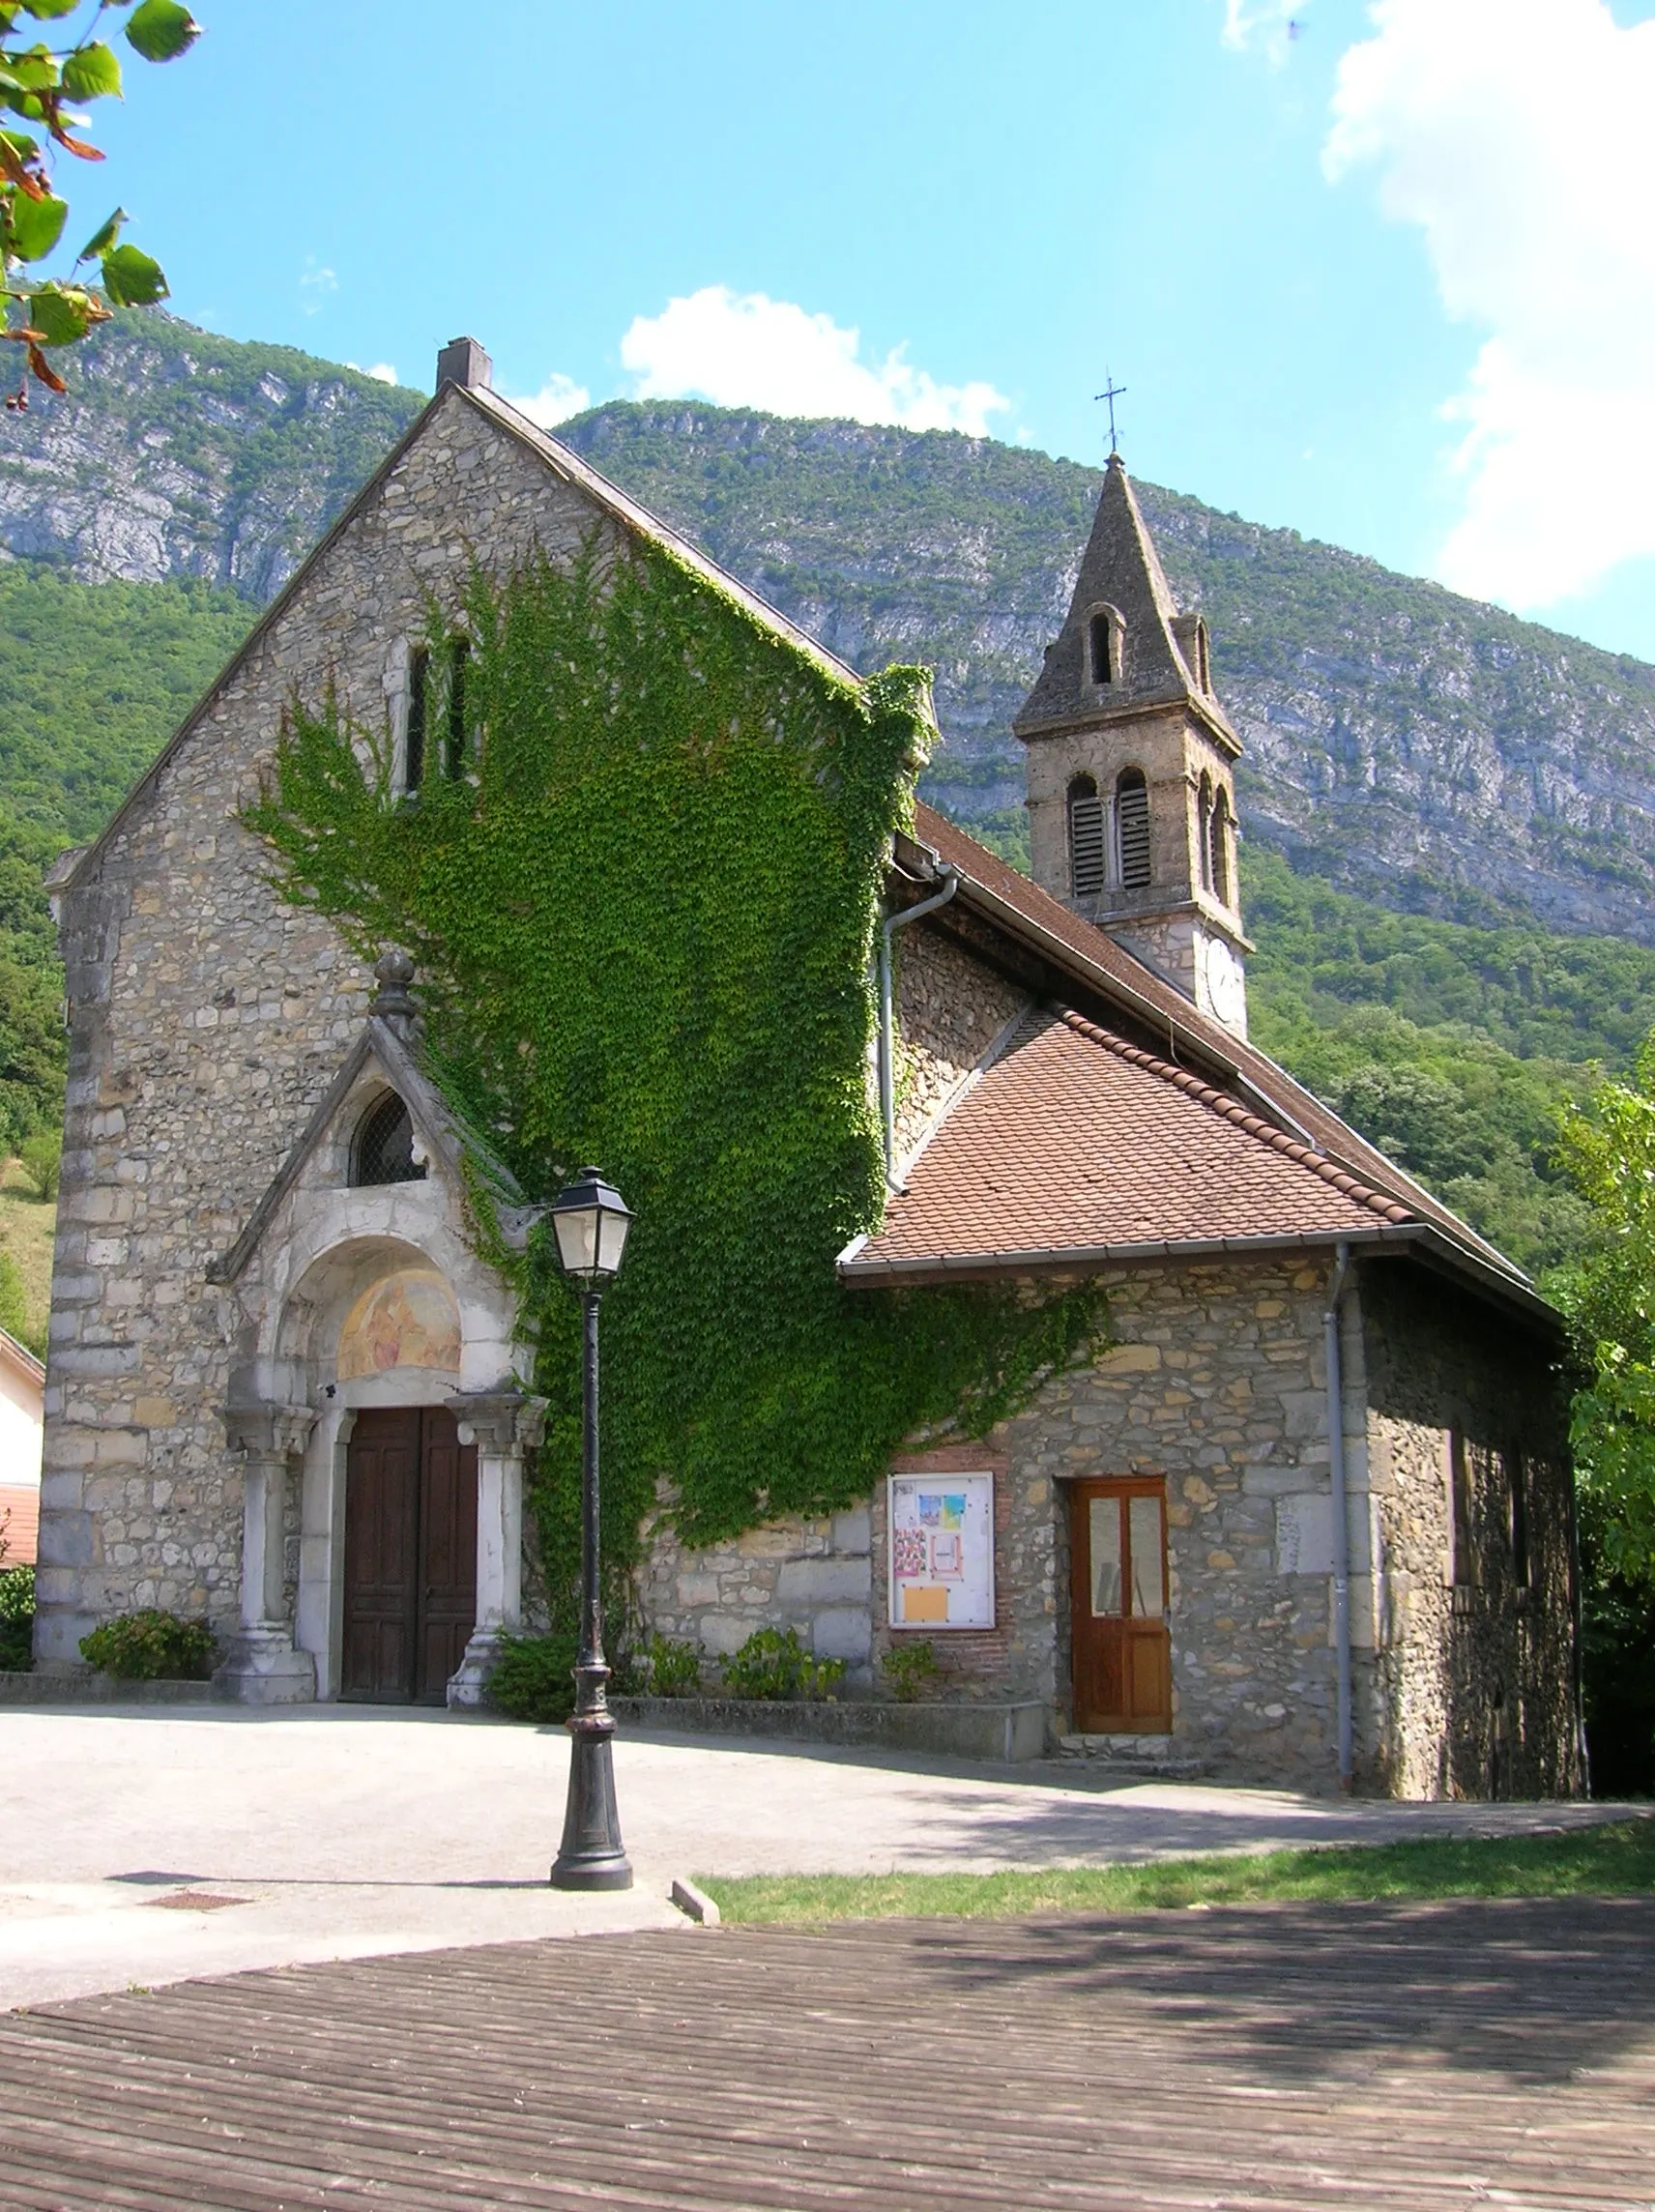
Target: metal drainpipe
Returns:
[[1340, 1521], [888, 1025]]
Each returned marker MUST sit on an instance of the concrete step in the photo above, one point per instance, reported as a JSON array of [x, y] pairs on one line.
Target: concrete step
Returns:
[[1145, 1757]]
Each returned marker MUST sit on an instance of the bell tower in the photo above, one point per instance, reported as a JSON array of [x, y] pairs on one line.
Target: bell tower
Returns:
[[1131, 769]]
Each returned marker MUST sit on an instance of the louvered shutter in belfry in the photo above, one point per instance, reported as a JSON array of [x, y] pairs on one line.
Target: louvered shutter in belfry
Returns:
[[1086, 843], [1132, 828]]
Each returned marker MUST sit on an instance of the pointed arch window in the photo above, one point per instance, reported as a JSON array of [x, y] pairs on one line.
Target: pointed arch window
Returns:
[[418, 714], [1218, 852], [382, 1149], [1132, 829], [1203, 831], [456, 753], [1087, 867]]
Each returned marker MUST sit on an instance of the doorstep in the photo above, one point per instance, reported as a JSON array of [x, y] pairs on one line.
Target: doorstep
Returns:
[[1146, 1757]]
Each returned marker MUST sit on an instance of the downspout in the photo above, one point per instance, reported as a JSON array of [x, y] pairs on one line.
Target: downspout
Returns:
[[887, 1020], [1340, 1520]]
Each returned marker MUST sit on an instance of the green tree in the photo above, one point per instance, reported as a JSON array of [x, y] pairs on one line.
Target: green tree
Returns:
[[1608, 1149], [43, 86]]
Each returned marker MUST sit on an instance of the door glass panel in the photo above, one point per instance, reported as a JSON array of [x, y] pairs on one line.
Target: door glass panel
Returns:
[[1149, 1575], [1103, 1534]]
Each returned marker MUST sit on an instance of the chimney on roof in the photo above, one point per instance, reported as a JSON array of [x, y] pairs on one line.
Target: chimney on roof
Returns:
[[462, 360]]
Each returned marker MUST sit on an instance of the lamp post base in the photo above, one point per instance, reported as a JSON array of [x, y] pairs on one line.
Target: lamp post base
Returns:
[[592, 1854]]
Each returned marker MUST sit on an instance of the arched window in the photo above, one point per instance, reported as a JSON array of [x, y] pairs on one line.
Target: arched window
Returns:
[[1218, 855], [1102, 648], [1088, 873], [1203, 830], [1132, 829], [383, 1147], [458, 752], [418, 711], [1203, 669]]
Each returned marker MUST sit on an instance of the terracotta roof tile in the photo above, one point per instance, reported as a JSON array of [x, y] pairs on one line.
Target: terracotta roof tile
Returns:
[[1143, 993], [1076, 1138]]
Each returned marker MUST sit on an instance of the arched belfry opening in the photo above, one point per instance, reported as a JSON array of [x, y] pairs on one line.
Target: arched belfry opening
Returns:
[[1132, 829], [1089, 868], [382, 1149]]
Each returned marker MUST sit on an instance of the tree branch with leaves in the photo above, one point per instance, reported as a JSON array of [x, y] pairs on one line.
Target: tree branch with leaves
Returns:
[[43, 88]]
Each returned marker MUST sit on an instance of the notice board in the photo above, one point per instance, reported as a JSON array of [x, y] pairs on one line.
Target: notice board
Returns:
[[942, 1551]]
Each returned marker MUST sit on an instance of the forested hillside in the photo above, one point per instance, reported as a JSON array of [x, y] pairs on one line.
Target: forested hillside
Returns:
[[1482, 775]]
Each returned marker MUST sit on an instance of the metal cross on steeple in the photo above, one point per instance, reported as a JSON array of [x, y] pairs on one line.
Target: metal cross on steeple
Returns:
[[1111, 391]]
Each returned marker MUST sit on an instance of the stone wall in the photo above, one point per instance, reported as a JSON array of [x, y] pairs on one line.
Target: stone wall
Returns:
[[1217, 1383], [1478, 1666], [207, 1019], [950, 1008]]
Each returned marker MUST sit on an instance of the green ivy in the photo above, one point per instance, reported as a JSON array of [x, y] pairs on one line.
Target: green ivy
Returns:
[[643, 917]]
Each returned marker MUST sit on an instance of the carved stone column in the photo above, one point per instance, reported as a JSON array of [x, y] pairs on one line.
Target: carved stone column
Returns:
[[503, 1424], [262, 1667]]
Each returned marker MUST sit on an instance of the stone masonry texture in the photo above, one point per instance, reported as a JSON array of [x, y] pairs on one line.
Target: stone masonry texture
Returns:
[[207, 1019]]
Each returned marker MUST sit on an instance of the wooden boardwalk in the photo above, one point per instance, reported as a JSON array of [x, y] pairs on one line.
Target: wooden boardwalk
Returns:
[[1373, 2056]]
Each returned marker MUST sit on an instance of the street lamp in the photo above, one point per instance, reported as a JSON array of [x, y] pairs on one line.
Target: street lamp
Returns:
[[591, 1222]]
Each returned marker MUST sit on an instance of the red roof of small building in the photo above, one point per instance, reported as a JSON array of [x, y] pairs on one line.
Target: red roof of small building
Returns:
[[1079, 1144]]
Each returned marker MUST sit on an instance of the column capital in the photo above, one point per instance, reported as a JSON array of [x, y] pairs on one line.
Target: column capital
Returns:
[[499, 1421], [268, 1431]]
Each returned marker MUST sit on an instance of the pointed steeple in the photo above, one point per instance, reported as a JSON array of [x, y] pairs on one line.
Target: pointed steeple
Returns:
[[1131, 786], [1125, 646]]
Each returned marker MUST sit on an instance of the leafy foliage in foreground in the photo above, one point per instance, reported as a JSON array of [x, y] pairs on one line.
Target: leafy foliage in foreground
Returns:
[[150, 1645], [642, 903], [1611, 1859]]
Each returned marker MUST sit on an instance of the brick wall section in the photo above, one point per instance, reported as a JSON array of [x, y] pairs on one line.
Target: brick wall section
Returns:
[[207, 1020], [1477, 1679]]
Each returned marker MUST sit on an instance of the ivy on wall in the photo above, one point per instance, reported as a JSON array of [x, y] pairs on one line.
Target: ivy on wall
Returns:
[[643, 917]]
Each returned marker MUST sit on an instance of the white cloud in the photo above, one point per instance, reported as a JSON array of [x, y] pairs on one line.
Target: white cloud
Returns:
[[382, 371], [1273, 24], [1517, 134], [315, 283], [744, 350], [556, 400]]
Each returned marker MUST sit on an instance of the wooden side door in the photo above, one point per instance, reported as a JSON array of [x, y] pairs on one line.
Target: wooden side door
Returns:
[[382, 1555], [1120, 1637], [447, 1551]]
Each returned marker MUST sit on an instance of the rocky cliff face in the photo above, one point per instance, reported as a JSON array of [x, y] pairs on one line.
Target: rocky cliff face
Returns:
[[1409, 745], [176, 453]]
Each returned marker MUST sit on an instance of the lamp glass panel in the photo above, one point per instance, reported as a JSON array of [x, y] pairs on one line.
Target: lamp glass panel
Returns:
[[612, 1240], [577, 1239]]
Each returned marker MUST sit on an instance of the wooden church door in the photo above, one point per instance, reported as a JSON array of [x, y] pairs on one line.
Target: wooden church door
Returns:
[[1120, 1641], [410, 1554]]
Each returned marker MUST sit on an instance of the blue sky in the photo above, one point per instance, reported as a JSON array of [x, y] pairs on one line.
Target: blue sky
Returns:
[[1297, 237]]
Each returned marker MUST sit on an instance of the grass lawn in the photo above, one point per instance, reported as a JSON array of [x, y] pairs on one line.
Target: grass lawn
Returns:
[[27, 1227], [1616, 1858]]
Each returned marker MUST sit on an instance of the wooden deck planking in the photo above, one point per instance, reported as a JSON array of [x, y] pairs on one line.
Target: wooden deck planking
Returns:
[[1410, 2057]]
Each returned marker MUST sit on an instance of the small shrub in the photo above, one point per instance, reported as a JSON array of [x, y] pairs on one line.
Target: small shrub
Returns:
[[533, 1678], [41, 1155], [16, 1617], [671, 1670], [150, 1645], [774, 1664], [911, 1670]]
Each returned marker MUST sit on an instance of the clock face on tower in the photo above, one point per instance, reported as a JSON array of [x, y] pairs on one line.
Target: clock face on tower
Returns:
[[1226, 985]]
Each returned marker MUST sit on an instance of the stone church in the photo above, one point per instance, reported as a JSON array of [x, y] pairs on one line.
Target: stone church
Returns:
[[1308, 1520]]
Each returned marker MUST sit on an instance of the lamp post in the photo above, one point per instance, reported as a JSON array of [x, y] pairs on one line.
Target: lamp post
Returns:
[[591, 1222]]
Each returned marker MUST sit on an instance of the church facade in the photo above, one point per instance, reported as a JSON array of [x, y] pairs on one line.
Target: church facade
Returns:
[[1307, 1520]]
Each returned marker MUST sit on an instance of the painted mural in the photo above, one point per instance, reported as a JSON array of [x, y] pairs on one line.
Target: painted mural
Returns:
[[408, 1319]]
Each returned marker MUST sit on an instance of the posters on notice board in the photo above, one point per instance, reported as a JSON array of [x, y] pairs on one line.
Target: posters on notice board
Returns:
[[942, 1551]]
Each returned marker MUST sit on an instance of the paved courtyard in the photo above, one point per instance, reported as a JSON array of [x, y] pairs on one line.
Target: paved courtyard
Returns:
[[149, 1845], [1402, 2058]]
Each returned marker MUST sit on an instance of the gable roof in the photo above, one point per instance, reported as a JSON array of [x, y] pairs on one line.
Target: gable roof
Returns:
[[447, 1138], [73, 865], [1278, 1165], [1119, 569]]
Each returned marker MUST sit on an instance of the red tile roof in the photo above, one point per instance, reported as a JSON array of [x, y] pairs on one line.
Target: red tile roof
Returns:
[[20, 1523], [1232, 1067], [1076, 1139]]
